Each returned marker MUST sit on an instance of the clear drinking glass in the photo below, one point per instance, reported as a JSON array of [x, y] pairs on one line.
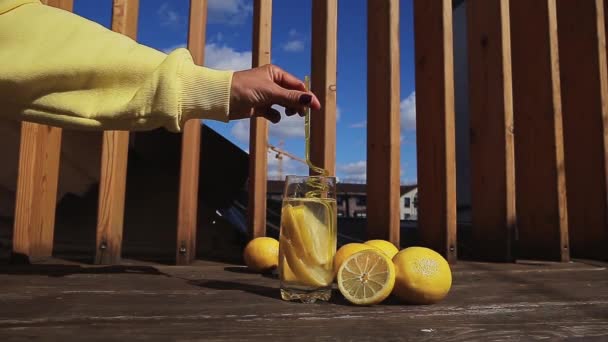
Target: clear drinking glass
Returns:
[[308, 238]]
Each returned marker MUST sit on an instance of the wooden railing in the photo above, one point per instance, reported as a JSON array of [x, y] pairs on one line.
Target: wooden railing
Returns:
[[538, 88]]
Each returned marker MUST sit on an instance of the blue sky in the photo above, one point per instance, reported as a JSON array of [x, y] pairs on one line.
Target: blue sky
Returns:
[[163, 26]]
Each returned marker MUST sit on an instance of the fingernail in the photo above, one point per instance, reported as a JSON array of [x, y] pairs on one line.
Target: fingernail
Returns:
[[305, 99]]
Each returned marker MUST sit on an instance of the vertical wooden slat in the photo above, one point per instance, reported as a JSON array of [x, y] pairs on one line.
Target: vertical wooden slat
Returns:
[[383, 129], [191, 143], [539, 156], [39, 157], [582, 58], [491, 117], [324, 60], [258, 163], [114, 160], [435, 125]]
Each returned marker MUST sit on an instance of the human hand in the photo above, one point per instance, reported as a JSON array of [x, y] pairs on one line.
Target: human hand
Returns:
[[254, 91]]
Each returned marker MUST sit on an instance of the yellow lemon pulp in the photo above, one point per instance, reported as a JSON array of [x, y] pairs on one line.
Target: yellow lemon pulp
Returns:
[[305, 251], [366, 277], [262, 254], [423, 276], [346, 251], [386, 247]]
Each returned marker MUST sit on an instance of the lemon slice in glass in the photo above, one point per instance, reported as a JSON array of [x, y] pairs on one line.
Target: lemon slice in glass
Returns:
[[366, 277]]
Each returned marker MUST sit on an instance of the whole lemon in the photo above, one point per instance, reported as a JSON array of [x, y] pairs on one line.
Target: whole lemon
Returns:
[[262, 254], [386, 247], [423, 276], [346, 251]]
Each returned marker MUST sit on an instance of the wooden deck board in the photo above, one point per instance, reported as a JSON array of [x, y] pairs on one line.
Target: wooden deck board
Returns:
[[215, 301]]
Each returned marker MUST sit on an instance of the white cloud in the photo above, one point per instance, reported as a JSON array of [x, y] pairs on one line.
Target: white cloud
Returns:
[[338, 113], [222, 57], [289, 167], [226, 58], [352, 172], [360, 124], [240, 131], [295, 45], [169, 17], [288, 127], [408, 113], [295, 42], [231, 12], [408, 116]]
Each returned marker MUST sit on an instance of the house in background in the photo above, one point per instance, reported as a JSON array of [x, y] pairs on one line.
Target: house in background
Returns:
[[408, 203], [351, 199]]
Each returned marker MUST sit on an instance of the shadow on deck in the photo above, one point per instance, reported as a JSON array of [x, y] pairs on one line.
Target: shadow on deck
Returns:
[[215, 301]]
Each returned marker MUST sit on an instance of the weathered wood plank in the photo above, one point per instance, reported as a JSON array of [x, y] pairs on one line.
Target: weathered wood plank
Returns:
[[539, 156], [488, 302], [36, 192], [114, 155], [383, 130], [435, 131], [37, 181], [491, 117], [258, 153], [582, 59], [191, 146], [323, 79]]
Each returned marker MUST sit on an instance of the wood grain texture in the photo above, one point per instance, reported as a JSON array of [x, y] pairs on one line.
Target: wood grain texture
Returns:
[[115, 149], [258, 137], [220, 302], [323, 83], [582, 58], [491, 118], [435, 131], [37, 181], [539, 156], [383, 128], [36, 201], [191, 146]]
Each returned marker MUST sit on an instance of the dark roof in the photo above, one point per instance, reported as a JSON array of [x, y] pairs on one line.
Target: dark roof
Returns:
[[276, 187]]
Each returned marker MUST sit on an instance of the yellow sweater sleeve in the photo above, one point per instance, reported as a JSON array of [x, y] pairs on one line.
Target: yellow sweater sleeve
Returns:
[[59, 69]]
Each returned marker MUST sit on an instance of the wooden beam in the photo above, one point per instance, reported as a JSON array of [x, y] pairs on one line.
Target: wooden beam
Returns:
[[114, 160], [435, 125], [323, 79], [491, 118], [539, 156], [191, 146], [258, 154], [582, 58], [36, 201], [383, 130]]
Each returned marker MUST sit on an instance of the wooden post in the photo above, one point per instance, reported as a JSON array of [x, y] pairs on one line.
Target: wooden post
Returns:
[[435, 125], [383, 129], [191, 146], [114, 160], [491, 111], [323, 79], [582, 58], [258, 163], [39, 157], [539, 156]]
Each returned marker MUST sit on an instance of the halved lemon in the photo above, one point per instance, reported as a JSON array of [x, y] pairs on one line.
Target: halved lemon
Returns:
[[366, 277]]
